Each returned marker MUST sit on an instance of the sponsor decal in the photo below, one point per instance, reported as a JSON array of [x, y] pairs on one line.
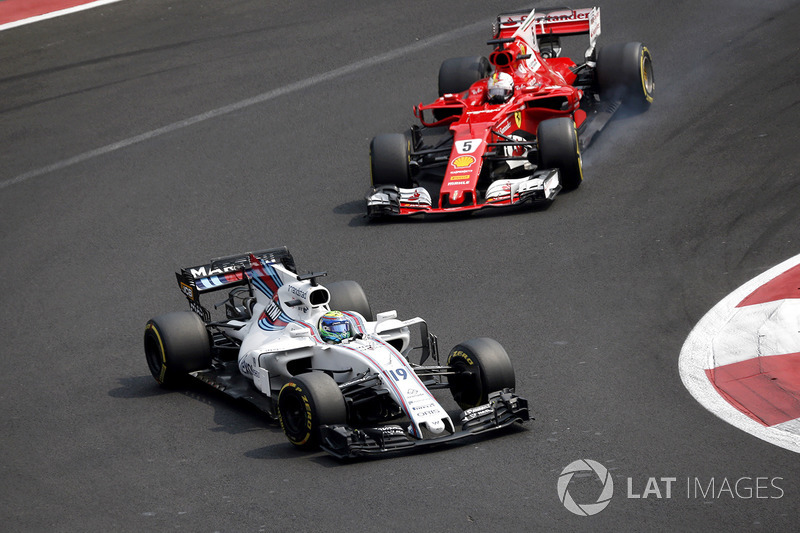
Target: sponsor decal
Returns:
[[391, 430], [482, 112], [463, 161], [247, 369], [458, 354], [427, 405], [518, 118], [297, 292], [273, 311], [476, 412], [199, 310], [187, 291], [565, 17], [463, 182], [201, 272]]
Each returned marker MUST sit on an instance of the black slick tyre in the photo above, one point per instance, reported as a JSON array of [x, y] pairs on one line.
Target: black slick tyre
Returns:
[[175, 344], [481, 366], [625, 71], [457, 74], [349, 296], [390, 160], [558, 148], [306, 403]]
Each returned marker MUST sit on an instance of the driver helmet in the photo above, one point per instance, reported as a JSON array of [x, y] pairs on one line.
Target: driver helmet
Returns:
[[334, 327], [500, 87]]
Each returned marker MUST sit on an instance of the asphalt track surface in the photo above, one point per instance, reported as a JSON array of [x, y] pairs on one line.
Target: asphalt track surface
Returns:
[[147, 135]]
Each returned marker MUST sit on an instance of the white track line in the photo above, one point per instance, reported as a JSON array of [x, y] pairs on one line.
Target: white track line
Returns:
[[67, 11], [697, 356], [259, 99]]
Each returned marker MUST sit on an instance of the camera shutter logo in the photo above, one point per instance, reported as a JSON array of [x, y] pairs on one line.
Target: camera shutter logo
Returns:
[[585, 465]]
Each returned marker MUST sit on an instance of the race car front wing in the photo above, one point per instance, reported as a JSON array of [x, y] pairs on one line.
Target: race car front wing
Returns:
[[503, 409], [390, 200]]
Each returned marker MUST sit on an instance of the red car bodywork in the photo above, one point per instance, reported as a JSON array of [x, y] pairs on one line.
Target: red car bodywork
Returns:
[[544, 87]]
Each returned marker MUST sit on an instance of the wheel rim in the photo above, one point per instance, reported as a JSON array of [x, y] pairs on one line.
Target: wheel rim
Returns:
[[293, 413], [648, 83], [466, 385]]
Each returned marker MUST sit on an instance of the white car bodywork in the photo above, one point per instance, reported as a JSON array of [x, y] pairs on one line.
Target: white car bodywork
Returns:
[[368, 394], [282, 331]]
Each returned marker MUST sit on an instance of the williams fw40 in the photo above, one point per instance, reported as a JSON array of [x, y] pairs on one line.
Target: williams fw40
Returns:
[[315, 358], [510, 129]]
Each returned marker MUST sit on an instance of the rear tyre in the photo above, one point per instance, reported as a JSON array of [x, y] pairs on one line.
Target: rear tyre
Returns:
[[457, 74], [306, 403], [625, 71], [349, 296], [390, 160], [176, 344], [481, 366], [558, 148]]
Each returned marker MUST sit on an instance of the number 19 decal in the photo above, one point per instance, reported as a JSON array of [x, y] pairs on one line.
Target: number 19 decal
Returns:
[[399, 374]]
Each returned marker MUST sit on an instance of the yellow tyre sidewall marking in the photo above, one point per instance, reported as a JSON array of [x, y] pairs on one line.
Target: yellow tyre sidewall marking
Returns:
[[309, 422], [161, 374], [645, 53]]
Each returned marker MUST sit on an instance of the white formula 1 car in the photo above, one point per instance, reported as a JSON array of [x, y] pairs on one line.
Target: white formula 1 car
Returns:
[[360, 395]]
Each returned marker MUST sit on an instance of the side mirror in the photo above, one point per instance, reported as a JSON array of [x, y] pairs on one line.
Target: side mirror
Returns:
[[296, 331], [386, 315]]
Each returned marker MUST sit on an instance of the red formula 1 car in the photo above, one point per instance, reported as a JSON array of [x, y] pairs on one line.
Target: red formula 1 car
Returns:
[[509, 129]]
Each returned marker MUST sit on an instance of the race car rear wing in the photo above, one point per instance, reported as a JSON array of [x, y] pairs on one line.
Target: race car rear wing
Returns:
[[551, 21], [226, 272]]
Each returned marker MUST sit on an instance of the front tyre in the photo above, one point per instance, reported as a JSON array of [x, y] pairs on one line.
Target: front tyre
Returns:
[[389, 155], [306, 403], [481, 367], [625, 71], [558, 148], [176, 344]]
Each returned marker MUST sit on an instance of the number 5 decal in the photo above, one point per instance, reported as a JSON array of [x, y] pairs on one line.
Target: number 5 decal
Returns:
[[468, 146]]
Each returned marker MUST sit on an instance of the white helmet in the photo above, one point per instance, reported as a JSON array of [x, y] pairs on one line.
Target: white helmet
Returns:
[[500, 87]]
